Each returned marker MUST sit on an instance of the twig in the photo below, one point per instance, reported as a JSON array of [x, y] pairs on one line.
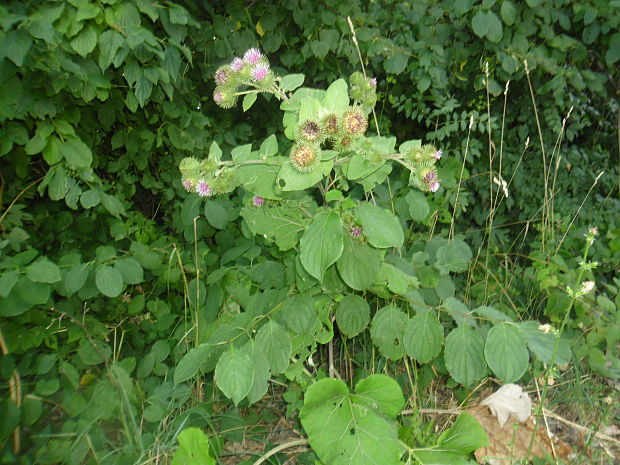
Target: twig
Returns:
[[359, 54], [281, 447], [26, 189]]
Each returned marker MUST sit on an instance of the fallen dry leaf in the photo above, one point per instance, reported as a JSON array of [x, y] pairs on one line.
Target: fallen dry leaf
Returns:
[[509, 401], [509, 441]]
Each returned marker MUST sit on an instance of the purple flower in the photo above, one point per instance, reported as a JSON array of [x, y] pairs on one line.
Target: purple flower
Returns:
[[258, 201], [373, 82], [252, 56], [236, 64], [259, 72], [356, 231], [203, 189], [433, 186], [430, 177], [188, 185], [437, 155], [218, 97], [221, 76]]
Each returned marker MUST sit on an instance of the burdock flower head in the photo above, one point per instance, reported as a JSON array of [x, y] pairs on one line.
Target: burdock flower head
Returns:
[[203, 189], [310, 130], [354, 122], [356, 232], [252, 56], [237, 64], [258, 201], [305, 157], [260, 72], [222, 75], [427, 179], [343, 143], [224, 98], [331, 124], [188, 185]]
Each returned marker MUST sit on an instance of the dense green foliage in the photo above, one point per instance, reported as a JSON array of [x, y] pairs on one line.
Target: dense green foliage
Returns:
[[122, 297]]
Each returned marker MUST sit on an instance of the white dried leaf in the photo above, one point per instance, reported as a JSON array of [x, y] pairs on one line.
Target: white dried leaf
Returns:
[[509, 401]]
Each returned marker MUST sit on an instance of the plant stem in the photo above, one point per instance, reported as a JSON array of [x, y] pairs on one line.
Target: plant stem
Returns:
[[556, 346]]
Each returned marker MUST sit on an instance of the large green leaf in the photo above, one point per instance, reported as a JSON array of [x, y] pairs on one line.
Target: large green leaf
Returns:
[[43, 271], [495, 31], [506, 353], [260, 180], [234, 374], [480, 23], [465, 435], [352, 315], [109, 43], [358, 265], [336, 97], [16, 45], [299, 313], [464, 355], [109, 281], [322, 243], [290, 179], [76, 153], [423, 337], [441, 457], [380, 226], [85, 42], [542, 344], [7, 281], [291, 82], [260, 371], [387, 331], [189, 365], [281, 224], [276, 344], [453, 256], [193, 448], [418, 205], [130, 270], [76, 277], [354, 429]]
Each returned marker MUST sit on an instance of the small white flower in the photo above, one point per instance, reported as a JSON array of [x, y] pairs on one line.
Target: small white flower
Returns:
[[586, 287], [546, 328]]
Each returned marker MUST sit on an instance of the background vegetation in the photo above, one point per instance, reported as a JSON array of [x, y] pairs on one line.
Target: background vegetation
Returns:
[[107, 264]]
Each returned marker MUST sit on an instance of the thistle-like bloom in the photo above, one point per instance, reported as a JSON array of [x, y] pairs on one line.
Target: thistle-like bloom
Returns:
[[429, 177], [222, 75], [356, 232], [343, 144], [331, 124], [224, 97], [237, 64], [354, 122], [188, 185], [218, 97], [259, 72], [258, 201], [310, 131], [304, 157], [433, 186], [252, 56], [203, 189], [437, 155], [373, 82]]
